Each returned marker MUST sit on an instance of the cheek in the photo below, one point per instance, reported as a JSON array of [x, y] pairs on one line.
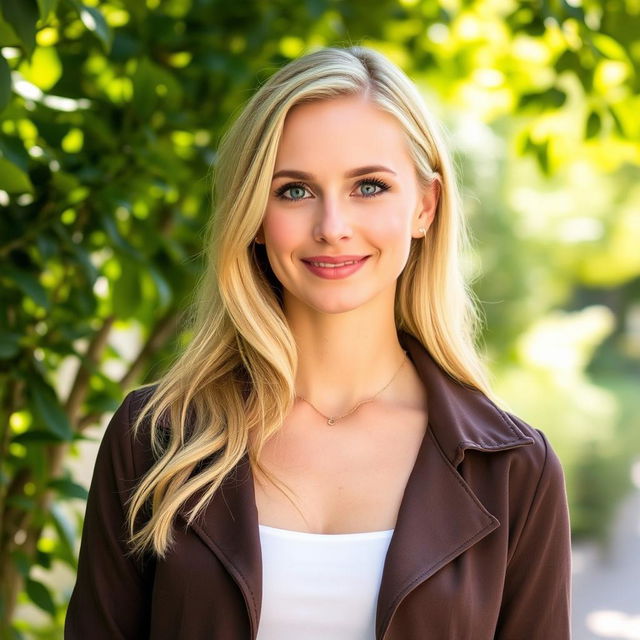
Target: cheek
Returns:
[[391, 231], [281, 231], [391, 224]]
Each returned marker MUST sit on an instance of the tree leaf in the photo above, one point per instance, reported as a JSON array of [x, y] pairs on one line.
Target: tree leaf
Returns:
[[43, 559], [27, 283], [9, 344], [47, 245], [144, 88], [22, 562], [66, 535], [13, 179], [542, 156], [552, 98], [46, 8], [25, 503], [5, 83], [568, 61], [119, 242], [93, 20], [40, 596], [47, 406], [8, 36], [83, 259], [162, 287], [22, 16], [80, 437], [12, 149], [593, 126], [617, 123], [573, 10], [127, 292], [36, 436], [609, 47], [68, 489]]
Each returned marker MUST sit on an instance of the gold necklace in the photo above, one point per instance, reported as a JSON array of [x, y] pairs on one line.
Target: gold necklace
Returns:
[[331, 420]]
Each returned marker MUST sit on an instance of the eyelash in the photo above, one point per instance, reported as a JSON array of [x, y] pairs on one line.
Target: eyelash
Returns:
[[279, 193]]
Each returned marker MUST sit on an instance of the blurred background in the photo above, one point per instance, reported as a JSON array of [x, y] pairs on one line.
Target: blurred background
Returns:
[[110, 115]]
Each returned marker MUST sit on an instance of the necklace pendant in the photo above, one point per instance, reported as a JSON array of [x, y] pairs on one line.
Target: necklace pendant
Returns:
[[330, 421]]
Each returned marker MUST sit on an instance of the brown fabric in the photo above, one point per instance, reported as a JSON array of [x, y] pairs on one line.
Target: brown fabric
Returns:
[[481, 547]]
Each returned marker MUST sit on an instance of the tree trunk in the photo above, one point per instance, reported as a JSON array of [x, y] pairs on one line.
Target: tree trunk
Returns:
[[20, 531]]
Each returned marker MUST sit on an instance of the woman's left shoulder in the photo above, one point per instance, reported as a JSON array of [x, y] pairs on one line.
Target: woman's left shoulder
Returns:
[[535, 464]]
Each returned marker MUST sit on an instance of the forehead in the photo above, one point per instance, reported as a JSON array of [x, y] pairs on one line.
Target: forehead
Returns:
[[341, 133]]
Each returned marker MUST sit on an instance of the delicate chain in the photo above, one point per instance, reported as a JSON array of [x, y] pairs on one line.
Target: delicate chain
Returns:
[[331, 420]]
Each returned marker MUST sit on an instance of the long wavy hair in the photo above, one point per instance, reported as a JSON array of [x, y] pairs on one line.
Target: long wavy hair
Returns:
[[232, 386]]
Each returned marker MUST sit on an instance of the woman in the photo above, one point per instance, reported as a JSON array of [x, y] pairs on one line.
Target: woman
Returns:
[[324, 460]]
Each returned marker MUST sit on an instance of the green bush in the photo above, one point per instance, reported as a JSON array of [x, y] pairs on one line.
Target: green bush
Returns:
[[110, 115]]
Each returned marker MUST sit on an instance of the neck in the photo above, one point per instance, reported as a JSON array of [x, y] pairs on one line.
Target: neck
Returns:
[[345, 358]]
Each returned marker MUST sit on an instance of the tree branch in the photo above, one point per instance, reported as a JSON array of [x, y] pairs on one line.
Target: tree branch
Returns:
[[164, 329], [81, 383]]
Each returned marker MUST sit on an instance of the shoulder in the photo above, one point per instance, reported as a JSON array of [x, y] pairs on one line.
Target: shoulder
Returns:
[[138, 398], [538, 513], [509, 459], [128, 449], [537, 461], [534, 489]]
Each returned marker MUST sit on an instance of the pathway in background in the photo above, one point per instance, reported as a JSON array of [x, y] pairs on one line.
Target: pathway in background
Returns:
[[606, 585]]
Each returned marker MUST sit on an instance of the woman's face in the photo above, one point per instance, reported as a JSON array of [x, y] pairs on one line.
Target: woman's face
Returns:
[[344, 188]]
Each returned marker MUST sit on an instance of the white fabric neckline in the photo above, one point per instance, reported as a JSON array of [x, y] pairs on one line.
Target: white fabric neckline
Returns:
[[290, 533]]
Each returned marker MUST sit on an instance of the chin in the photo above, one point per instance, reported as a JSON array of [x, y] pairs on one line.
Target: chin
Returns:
[[330, 304]]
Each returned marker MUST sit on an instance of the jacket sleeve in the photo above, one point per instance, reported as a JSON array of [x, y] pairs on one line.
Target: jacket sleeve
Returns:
[[537, 594], [111, 597]]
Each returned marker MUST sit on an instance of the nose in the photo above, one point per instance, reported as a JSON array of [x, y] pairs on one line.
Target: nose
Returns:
[[333, 221]]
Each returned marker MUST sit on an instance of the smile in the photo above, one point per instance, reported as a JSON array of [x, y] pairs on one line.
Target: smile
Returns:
[[334, 271], [328, 264]]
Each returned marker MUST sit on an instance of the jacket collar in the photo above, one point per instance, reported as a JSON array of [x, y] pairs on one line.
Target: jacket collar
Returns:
[[460, 417], [439, 516]]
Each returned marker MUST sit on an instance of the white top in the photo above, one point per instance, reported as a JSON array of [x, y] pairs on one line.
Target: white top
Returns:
[[319, 586]]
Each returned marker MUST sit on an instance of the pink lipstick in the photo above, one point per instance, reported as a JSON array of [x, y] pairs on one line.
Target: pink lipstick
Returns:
[[334, 267]]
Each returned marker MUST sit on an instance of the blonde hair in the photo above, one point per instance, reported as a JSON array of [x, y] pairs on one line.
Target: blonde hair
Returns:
[[236, 375]]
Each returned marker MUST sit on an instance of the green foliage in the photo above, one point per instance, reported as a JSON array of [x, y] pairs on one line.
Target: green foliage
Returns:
[[110, 112]]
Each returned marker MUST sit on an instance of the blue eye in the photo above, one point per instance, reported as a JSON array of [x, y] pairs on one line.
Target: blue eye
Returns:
[[296, 192], [371, 187], [374, 187]]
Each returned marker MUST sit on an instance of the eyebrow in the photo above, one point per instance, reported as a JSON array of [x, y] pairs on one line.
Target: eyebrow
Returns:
[[354, 173]]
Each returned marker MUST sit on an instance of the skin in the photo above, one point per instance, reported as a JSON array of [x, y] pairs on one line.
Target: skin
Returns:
[[344, 329]]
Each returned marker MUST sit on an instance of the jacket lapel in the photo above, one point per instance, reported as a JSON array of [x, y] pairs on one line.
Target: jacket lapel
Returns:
[[229, 527], [439, 516], [460, 417]]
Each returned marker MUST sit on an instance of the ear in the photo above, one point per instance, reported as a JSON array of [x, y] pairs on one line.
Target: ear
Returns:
[[427, 207]]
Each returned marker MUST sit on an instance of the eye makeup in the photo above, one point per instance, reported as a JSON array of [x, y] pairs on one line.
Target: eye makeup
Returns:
[[376, 182]]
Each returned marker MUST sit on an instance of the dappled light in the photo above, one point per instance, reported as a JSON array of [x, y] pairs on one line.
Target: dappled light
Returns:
[[110, 117]]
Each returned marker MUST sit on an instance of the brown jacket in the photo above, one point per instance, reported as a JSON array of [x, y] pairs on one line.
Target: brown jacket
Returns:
[[480, 548]]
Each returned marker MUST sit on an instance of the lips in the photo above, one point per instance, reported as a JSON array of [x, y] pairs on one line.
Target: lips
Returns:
[[330, 261], [331, 265], [334, 267]]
